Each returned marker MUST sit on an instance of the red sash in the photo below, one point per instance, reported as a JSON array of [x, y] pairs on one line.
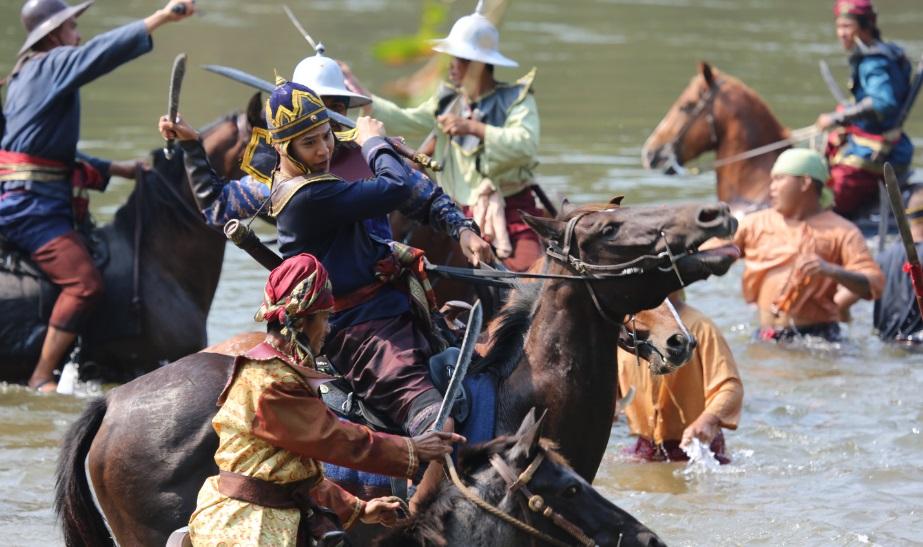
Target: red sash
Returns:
[[83, 176]]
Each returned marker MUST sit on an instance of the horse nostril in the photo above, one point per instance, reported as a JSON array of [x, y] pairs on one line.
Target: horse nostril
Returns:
[[711, 216], [677, 344]]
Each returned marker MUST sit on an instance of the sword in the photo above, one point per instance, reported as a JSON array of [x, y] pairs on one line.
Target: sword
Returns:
[[317, 47], [903, 226], [176, 86], [475, 319], [831, 83]]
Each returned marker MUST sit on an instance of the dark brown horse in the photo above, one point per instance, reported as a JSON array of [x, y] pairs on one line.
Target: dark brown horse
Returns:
[[149, 444], [717, 112], [453, 516], [177, 264]]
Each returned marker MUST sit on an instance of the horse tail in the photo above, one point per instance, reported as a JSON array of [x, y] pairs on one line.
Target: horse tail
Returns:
[[82, 523]]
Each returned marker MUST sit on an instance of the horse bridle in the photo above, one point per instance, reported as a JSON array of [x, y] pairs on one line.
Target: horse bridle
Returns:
[[518, 484], [637, 343], [705, 105]]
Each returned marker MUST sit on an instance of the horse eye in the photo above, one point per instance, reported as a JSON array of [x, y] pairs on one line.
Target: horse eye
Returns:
[[570, 491], [608, 231]]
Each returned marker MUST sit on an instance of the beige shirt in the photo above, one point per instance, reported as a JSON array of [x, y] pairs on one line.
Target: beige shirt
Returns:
[[665, 405]]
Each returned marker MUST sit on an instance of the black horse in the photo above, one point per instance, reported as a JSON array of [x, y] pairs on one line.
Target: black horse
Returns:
[[160, 263], [521, 476]]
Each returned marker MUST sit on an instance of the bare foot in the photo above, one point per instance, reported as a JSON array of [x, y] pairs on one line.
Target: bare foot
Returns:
[[43, 386]]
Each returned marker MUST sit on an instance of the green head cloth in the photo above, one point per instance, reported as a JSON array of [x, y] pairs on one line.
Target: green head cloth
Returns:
[[804, 162]]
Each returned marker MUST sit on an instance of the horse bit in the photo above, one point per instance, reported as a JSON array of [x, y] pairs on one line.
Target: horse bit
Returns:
[[535, 503]]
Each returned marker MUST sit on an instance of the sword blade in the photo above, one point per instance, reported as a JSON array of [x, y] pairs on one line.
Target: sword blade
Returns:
[[903, 226], [176, 87], [473, 330], [831, 83], [301, 30], [260, 84]]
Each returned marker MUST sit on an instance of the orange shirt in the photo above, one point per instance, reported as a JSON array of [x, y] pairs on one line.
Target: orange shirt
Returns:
[[665, 405], [770, 246]]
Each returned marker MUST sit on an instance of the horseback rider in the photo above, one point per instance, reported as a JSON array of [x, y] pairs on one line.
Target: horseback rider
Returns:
[[870, 129], [43, 179], [486, 137], [271, 411], [376, 342]]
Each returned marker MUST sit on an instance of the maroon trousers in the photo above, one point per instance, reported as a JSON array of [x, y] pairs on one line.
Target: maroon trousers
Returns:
[[68, 264], [670, 451]]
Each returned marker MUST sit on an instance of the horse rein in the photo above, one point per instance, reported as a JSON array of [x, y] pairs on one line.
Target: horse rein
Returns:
[[534, 502]]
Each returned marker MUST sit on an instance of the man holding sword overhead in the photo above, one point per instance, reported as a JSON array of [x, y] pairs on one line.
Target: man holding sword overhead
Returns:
[[43, 179]]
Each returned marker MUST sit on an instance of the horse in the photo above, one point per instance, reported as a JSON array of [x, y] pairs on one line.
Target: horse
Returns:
[[465, 512], [552, 344], [717, 112], [161, 269]]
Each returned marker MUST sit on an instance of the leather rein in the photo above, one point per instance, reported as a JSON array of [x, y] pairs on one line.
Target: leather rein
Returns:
[[705, 105], [518, 484]]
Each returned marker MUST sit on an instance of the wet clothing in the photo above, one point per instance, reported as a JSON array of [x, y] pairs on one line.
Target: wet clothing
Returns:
[[664, 405], [881, 73], [896, 315], [274, 428], [770, 246], [828, 331], [327, 217], [505, 160], [43, 179], [670, 451]]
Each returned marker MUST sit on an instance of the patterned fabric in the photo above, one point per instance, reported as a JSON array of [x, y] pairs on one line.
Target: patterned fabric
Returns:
[[292, 110], [297, 288], [862, 8]]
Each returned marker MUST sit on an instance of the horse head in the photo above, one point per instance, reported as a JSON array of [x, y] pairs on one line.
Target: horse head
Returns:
[[536, 484], [659, 337], [631, 258], [226, 140], [691, 126]]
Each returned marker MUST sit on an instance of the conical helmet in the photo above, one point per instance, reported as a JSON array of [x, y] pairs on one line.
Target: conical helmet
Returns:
[[323, 75], [475, 38]]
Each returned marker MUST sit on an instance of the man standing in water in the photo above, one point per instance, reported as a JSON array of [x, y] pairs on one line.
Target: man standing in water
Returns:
[[798, 252], [870, 129], [697, 401], [897, 317], [43, 179], [486, 137]]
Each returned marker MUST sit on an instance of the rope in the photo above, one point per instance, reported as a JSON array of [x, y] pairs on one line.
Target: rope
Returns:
[[497, 512]]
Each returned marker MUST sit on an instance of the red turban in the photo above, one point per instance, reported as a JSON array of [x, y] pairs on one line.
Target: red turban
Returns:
[[297, 288], [855, 7]]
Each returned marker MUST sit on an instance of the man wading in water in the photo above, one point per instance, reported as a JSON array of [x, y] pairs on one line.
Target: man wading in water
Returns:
[[43, 179]]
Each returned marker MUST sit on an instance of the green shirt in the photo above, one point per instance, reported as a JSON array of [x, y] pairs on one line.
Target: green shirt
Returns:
[[507, 156]]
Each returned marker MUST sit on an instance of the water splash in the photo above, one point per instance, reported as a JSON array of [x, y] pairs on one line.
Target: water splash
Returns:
[[701, 459]]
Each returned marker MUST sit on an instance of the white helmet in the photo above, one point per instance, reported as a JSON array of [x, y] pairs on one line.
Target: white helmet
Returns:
[[323, 75], [475, 38]]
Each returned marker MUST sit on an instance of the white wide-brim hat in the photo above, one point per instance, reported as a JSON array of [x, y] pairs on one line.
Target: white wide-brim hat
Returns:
[[475, 38], [324, 76]]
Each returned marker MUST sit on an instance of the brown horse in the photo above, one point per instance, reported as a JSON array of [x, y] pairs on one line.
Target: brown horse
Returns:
[[149, 445], [717, 112], [158, 289]]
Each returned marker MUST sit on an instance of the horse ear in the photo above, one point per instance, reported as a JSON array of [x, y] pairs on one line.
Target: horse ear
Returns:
[[546, 228], [567, 207], [617, 201], [706, 71], [255, 111], [530, 433]]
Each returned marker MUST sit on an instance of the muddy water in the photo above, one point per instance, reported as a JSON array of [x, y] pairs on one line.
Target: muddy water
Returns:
[[829, 451]]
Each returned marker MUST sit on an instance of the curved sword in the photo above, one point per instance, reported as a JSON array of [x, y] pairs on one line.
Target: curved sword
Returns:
[[475, 320], [176, 87]]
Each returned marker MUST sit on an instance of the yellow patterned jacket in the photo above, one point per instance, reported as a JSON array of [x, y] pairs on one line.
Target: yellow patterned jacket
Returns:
[[273, 426]]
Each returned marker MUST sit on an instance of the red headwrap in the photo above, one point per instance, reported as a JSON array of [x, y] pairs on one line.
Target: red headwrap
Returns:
[[297, 288], [855, 7]]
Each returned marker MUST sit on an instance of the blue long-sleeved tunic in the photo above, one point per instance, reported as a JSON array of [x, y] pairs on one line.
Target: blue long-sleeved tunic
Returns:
[[882, 74], [42, 112], [342, 223]]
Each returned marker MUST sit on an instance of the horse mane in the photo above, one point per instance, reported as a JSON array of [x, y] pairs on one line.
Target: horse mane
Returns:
[[427, 526], [748, 96], [507, 332]]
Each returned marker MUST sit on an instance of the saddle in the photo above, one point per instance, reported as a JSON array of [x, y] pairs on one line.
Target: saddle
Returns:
[[339, 397]]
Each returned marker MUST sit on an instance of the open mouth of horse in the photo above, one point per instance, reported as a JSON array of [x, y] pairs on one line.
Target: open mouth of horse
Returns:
[[716, 261]]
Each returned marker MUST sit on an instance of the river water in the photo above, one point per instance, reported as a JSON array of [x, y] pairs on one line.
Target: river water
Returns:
[[829, 450]]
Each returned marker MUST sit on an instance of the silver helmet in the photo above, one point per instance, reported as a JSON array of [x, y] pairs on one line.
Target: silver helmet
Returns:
[[475, 38], [324, 76]]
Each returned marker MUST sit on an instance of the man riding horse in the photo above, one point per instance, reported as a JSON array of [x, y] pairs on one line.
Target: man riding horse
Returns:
[[376, 342], [871, 132], [486, 137], [43, 179]]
